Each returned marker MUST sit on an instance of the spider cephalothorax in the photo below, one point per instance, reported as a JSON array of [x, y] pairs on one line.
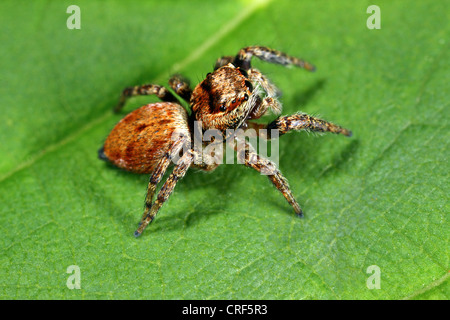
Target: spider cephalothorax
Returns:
[[223, 100], [229, 98]]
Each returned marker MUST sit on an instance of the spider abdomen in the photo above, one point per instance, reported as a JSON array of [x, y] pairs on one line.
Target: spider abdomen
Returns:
[[144, 136]]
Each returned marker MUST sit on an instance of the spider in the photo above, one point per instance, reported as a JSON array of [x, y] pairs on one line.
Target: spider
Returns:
[[230, 97]]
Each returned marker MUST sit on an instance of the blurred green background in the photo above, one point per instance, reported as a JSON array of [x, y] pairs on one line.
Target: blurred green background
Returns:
[[379, 198]]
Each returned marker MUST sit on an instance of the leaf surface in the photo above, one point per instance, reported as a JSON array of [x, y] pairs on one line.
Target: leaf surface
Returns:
[[379, 198]]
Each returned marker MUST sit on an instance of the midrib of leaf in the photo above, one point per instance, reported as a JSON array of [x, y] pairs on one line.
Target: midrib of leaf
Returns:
[[215, 38], [429, 287], [176, 67], [56, 146]]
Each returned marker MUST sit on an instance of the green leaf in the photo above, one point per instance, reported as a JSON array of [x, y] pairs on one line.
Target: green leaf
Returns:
[[379, 198]]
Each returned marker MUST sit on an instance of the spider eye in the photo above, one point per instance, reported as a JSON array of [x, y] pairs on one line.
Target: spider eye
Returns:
[[249, 85], [243, 72], [245, 97], [223, 107]]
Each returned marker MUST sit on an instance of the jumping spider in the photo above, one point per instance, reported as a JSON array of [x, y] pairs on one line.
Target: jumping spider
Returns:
[[230, 97]]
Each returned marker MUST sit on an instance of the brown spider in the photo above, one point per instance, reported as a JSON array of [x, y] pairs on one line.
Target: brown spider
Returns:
[[148, 139]]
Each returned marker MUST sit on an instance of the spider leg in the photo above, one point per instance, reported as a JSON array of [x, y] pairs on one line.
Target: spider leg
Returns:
[[159, 172], [144, 90], [298, 121], [166, 190], [179, 84], [223, 61], [206, 161], [255, 76], [245, 55], [247, 155], [271, 100], [303, 121]]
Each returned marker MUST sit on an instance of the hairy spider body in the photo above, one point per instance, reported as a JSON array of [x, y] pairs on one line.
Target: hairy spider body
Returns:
[[152, 137], [141, 139]]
